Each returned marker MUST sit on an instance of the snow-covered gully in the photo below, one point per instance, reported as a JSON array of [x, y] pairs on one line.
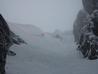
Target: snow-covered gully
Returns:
[[47, 55]]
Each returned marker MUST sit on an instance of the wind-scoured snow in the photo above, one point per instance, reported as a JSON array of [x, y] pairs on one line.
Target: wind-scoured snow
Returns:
[[46, 54]]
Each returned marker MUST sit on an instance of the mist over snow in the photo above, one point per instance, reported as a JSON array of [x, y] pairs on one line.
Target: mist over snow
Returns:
[[47, 54], [46, 26], [49, 15]]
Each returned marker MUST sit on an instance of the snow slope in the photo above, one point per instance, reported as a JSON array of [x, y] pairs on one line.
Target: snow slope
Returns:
[[46, 54]]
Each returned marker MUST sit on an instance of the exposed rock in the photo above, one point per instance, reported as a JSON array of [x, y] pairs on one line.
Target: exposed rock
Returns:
[[82, 17], [15, 39], [7, 39], [90, 5], [85, 19], [4, 43]]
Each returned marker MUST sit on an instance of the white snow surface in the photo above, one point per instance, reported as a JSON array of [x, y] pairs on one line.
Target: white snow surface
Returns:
[[45, 54]]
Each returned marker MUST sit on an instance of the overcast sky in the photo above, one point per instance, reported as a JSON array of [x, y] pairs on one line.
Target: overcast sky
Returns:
[[46, 14]]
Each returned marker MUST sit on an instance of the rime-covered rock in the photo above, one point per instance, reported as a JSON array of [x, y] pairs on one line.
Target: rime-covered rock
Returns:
[[82, 17]]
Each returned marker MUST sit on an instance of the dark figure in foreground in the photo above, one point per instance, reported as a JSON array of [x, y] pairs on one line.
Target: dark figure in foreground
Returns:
[[7, 39]]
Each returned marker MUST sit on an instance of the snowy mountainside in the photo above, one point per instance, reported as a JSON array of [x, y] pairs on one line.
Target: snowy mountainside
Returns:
[[25, 27], [46, 54]]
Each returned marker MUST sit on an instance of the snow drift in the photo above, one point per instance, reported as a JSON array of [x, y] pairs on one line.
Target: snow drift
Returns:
[[46, 54]]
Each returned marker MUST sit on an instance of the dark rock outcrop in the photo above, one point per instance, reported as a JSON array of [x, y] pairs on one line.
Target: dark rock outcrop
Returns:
[[90, 5], [4, 43], [7, 39], [82, 18], [84, 28], [15, 39]]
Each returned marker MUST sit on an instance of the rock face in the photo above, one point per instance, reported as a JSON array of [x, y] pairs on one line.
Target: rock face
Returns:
[[7, 39], [82, 17], [81, 20], [4, 43], [90, 5], [82, 28]]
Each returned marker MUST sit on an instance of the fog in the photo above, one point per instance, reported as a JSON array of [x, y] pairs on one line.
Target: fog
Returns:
[[49, 15]]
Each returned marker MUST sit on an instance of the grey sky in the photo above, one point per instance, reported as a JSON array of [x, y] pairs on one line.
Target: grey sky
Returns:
[[46, 14]]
